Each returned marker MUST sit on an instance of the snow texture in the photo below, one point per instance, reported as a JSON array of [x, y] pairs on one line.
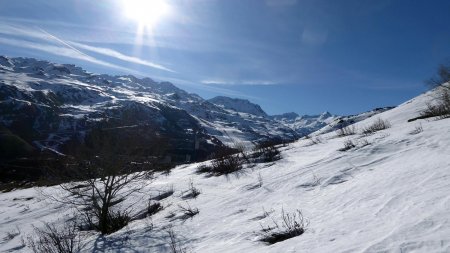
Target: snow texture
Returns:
[[387, 194]]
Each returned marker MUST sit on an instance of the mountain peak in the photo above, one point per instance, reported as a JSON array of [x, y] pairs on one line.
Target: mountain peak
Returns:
[[286, 116], [238, 105]]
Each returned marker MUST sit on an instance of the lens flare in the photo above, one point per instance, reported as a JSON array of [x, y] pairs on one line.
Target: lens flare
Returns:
[[146, 12]]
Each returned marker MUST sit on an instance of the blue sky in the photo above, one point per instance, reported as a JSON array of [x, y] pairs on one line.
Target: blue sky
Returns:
[[306, 56]]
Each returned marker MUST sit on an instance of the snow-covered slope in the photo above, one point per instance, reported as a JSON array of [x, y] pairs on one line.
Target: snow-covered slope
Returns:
[[337, 122], [387, 194]]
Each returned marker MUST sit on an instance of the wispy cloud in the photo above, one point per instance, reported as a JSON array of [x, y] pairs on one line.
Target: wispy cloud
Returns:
[[21, 31], [41, 34], [63, 51], [238, 82], [120, 56], [106, 51], [43, 41]]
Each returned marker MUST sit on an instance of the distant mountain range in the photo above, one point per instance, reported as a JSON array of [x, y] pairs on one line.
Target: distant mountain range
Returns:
[[48, 105]]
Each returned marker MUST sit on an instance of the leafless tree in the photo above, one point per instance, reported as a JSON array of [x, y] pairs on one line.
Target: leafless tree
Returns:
[[440, 106], [441, 77], [105, 172]]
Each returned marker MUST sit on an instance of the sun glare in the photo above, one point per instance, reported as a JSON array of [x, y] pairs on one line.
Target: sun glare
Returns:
[[146, 12]]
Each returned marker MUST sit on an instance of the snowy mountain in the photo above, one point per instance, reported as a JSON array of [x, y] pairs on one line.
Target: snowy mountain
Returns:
[[387, 193], [48, 105], [305, 124], [238, 105]]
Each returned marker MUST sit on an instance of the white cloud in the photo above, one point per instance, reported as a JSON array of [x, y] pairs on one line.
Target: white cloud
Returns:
[[41, 34], [120, 56], [62, 51], [14, 30]]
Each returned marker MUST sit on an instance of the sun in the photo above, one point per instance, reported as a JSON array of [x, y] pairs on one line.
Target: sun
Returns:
[[146, 12]]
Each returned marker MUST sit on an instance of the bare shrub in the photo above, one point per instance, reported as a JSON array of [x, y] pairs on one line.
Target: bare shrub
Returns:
[[292, 225], [188, 211], [242, 150], [222, 165], [153, 208], [442, 75], [226, 165], [348, 144], [192, 192], [204, 169], [52, 239], [313, 140], [11, 235], [346, 131], [441, 106], [376, 126], [266, 152]]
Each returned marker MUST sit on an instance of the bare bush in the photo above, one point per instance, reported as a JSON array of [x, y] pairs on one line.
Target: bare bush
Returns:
[[266, 152], [222, 165], [11, 235], [188, 211], [376, 126], [52, 239], [292, 225], [348, 144], [242, 151], [192, 192], [204, 169], [226, 165], [440, 108], [346, 131], [153, 208], [313, 140], [441, 105], [441, 77]]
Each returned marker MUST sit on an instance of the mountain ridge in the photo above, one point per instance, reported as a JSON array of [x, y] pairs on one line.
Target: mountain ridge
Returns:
[[60, 98]]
